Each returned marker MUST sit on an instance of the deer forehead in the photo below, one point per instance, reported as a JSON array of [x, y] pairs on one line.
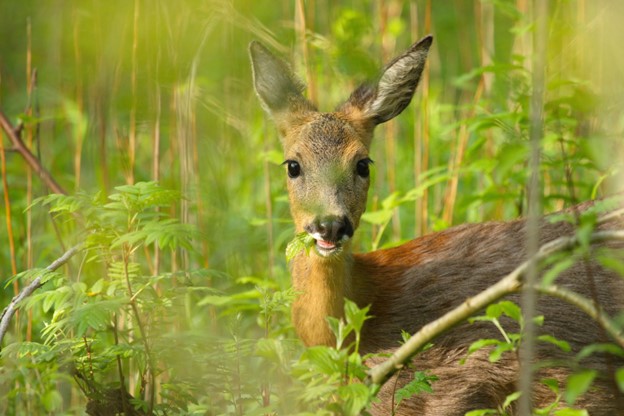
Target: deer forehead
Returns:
[[325, 138]]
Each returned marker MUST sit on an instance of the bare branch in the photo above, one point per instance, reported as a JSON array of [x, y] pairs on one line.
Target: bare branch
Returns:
[[427, 333], [31, 159], [508, 284], [611, 215], [586, 305], [9, 311]]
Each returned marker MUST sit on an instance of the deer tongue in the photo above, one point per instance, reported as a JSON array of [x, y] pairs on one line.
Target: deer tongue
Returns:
[[327, 245]]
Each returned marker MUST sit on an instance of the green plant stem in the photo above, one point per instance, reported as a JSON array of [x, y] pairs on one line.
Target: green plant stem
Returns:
[[122, 383], [496, 323], [148, 353]]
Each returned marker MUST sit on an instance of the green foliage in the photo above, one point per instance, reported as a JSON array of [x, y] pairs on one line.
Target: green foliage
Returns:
[[100, 325], [578, 383], [301, 242], [127, 220], [421, 383], [334, 377], [510, 341]]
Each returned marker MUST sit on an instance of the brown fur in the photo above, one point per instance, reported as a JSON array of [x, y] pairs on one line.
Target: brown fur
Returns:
[[416, 283]]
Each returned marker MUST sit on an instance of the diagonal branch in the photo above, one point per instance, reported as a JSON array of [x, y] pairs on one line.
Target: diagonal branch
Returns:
[[9, 311], [33, 162], [507, 285], [596, 312]]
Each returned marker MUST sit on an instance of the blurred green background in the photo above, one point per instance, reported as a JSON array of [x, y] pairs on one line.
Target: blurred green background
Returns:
[[117, 92]]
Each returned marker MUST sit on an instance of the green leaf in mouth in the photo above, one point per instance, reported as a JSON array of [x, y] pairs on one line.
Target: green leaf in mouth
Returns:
[[302, 241]]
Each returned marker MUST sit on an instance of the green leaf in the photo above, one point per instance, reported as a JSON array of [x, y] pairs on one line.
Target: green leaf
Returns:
[[578, 383], [356, 397], [600, 348], [377, 217], [500, 349], [215, 300], [324, 359], [511, 398], [612, 263], [482, 412], [302, 241], [504, 307], [356, 368], [563, 345], [420, 384], [482, 343], [511, 310], [270, 349], [97, 287], [552, 384], [571, 412], [356, 316], [619, 378], [339, 329], [52, 400]]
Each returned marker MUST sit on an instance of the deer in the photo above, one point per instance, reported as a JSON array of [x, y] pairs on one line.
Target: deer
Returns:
[[328, 164]]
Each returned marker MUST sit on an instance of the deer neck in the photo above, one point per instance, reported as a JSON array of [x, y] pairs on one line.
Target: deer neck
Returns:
[[321, 285]]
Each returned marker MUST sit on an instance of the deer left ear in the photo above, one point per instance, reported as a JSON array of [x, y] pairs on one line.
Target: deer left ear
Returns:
[[280, 91], [395, 88]]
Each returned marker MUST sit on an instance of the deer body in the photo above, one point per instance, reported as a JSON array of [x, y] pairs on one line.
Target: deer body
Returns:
[[409, 286]]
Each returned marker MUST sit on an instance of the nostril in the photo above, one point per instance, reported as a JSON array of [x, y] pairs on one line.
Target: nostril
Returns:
[[331, 228], [346, 228], [341, 230]]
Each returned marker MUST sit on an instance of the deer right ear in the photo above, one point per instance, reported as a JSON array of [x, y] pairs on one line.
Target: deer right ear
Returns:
[[395, 87], [280, 91]]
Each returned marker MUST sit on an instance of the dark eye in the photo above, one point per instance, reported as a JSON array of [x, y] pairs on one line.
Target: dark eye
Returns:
[[362, 168], [294, 168]]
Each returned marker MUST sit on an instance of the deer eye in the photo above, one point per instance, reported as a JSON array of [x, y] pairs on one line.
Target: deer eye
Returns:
[[294, 168], [362, 168]]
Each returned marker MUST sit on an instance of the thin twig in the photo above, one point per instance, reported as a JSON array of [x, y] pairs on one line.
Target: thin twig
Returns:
[[507, 285], [588, 306], [11, 308], [33, 162]]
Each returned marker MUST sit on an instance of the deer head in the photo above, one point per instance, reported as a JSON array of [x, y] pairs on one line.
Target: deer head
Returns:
[[326, 153]]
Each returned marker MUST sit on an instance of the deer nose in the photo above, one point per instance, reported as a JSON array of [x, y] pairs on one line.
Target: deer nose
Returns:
[[330, 228]]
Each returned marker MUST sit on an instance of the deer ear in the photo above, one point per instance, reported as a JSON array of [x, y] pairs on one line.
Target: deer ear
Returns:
[[395, 88], [280, 91]]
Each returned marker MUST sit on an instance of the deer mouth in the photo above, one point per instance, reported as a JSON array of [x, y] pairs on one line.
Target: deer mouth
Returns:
[[326, 245], [327, 248]]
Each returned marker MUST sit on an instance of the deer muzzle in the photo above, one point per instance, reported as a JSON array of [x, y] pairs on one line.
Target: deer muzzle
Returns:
[[330, 232]]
